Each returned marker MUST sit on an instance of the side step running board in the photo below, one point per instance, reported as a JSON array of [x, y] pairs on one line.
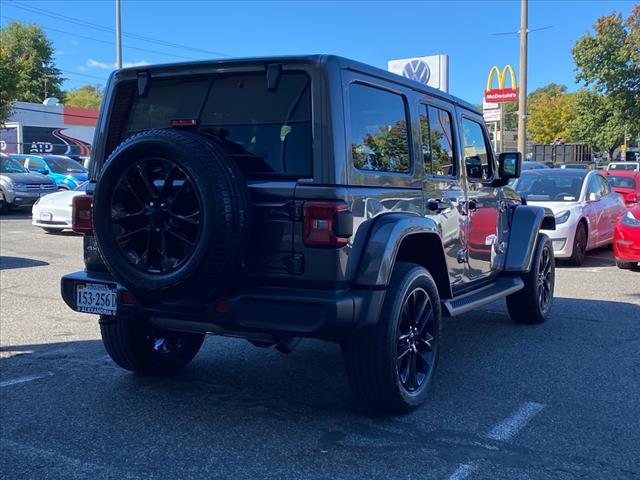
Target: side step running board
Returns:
[[502, 287]]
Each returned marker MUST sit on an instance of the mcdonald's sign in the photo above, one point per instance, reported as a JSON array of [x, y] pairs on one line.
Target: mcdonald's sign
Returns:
[[501, 94]]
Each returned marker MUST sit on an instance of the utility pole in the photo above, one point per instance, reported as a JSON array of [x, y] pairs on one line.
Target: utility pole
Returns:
[[522, 94], [118, 37]]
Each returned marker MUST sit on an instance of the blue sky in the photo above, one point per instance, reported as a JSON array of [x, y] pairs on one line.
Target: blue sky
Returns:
[[372, 32]]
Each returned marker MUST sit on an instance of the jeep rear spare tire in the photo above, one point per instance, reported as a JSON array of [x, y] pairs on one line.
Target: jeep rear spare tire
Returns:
[[171, 214]]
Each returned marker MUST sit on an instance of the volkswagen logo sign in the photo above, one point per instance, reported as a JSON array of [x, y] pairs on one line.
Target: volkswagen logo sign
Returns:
[[417, 70]]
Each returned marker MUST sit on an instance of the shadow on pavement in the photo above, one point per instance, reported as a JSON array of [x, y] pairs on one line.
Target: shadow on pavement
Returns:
[[8, 263], [285, 412], [599, 257]]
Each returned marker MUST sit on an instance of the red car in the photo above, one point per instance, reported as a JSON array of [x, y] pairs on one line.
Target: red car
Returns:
[[626, 183], [626, 239]]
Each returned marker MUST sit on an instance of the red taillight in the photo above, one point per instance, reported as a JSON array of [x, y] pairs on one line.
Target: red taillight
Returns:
[[82, 214], [327, 224]]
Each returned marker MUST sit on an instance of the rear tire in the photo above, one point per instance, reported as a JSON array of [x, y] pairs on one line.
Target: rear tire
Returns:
[[390, 365], [135, 345], [533, 303], [579, 249]]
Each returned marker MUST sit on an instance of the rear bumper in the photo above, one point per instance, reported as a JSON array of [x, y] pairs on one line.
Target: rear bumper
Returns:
[[273, 311]]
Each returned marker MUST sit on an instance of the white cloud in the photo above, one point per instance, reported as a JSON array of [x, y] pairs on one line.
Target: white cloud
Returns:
[[91, 63], [82, 69], [74, 42]]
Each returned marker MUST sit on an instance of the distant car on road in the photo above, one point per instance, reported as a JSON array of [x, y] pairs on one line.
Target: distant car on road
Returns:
[[577, 165], [66, 172], [628, 166], [626, 183], [53, 212], [626, 245], [18, 187], [583, 204], [531, 165]]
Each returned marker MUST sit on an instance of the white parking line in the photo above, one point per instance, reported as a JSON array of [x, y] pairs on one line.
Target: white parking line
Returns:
[[509, 427], [28, 378], [504, 431], [463, 471]]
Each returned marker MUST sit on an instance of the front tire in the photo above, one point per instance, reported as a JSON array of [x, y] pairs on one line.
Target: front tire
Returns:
[[135, 345], [579, 249], [390, 365], [533, 303], [4, 206], [52, 230]]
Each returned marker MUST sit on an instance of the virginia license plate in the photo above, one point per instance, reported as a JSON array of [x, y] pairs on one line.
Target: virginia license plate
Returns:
[[96, 298]]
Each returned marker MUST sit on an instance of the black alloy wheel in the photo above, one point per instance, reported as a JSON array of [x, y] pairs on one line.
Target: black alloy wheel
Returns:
[[391, 364], [545, 280], [155, 215], [415, 344], [533, 303]]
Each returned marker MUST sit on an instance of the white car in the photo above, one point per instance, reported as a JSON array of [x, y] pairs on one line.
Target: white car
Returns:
[[585, 207], [53, 212]]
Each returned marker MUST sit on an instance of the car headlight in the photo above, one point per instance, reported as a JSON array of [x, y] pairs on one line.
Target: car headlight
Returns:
[[20, 187], [562, 217], [630, 220]]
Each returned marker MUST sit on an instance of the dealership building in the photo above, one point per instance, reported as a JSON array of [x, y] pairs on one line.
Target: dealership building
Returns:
[[48, 128]]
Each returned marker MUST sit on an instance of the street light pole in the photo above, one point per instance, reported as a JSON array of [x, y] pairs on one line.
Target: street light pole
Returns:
[[118, 37], [522, 94]]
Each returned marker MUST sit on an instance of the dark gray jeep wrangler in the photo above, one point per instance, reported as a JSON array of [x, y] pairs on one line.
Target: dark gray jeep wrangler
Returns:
[[281, 198]]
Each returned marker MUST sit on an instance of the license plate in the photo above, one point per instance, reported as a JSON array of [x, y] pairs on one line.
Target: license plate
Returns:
[[96, 298], [46, 216]]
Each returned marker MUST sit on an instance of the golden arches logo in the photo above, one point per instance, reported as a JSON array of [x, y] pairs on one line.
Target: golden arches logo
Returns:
[[501, 94], [501, 77]]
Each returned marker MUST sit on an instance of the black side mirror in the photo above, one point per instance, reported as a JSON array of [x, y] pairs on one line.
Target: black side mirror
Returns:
[[509, 165]]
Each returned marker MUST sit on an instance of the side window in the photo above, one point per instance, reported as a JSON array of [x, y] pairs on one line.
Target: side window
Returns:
[[593, 186], [379, 137], [437, 141], [476, 151], [36, 164], [604, 186]]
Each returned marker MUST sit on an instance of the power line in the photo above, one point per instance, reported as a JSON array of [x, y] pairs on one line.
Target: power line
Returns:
[[69, 72], [84, 23], [107, 42]]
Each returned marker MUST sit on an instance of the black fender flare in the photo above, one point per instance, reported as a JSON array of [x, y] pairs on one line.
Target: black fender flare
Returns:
[[526, 222], [385, 236]]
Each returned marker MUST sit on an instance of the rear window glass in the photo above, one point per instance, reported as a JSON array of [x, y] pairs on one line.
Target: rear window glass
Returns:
[[621, 182], [266, 132]]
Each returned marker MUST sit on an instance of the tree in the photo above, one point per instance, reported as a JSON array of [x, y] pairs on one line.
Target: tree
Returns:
[[551, 114], [597, 121], [608, 62], [87, 96], [26, 56]]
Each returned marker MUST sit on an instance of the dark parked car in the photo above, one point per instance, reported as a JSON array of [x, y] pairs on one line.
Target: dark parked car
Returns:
[[281, 198]]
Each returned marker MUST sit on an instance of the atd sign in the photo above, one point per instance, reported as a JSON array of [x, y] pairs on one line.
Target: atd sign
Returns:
[[501, 94]]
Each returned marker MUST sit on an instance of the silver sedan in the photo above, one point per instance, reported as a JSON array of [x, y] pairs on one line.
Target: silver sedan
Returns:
[[585, 207]]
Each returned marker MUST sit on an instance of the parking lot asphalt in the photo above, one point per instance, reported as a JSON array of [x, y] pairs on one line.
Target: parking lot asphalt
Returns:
[[554, 401]]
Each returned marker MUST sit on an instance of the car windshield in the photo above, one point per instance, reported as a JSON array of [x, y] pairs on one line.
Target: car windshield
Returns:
[[621, 182], [550, 186], [64, 165], [9, 165], [82, 187]]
